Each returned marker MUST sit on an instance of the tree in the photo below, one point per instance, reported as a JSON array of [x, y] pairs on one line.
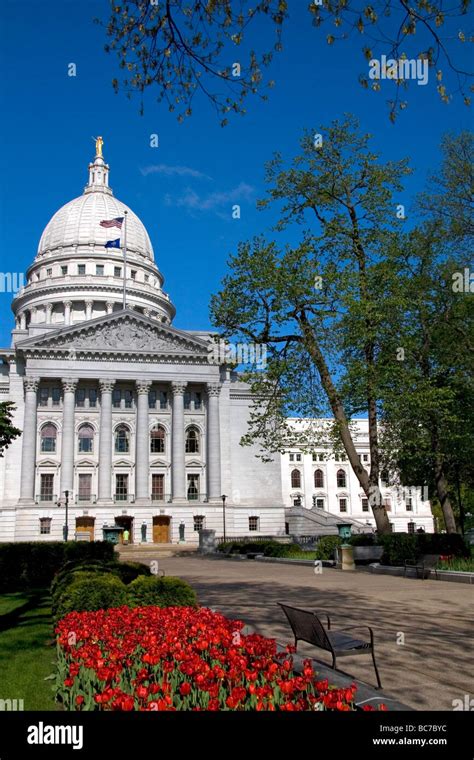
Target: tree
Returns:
[[428, 393], [177, 47], [8, 432], [319, 306]]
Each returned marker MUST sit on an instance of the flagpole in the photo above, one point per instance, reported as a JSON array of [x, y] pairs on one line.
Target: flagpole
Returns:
[[124, 304]]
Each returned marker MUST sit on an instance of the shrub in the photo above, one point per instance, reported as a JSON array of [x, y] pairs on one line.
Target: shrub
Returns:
[[128, 571], [64, 581], [33, 564], [91, 592], [161, 592], [399, 547], [326, 547], [363, 539]]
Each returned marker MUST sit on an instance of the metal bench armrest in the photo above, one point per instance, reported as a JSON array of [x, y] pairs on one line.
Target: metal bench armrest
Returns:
[[355, 627]]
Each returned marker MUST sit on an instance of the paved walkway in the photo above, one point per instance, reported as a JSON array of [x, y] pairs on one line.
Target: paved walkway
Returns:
[[432, 667]]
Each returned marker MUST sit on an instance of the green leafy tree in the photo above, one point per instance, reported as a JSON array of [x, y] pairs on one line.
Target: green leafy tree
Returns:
[[319, 307], [8, 432]]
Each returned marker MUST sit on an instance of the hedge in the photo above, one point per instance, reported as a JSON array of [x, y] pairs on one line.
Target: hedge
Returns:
[[161, 592], [399, 547], [90, 591], [33, 564]]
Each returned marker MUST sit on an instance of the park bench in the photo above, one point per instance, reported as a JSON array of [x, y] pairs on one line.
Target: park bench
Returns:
[[307, 626], [424, 565]]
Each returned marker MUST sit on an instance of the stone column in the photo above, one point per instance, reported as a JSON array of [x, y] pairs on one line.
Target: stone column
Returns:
[[33, 310], [105, 441], [110, 307], [213, 442], [178, 468], [49, 311], [89, 305], [67, 312], [30, 434], [67, 444], [22, 320], [142, 449]]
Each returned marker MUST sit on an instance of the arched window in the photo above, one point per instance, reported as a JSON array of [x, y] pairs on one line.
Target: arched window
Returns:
[[192, 440], [122, 440], [295, 479], [157, 440], [318, 479], [48, 438], [341, 479], [86, 439]]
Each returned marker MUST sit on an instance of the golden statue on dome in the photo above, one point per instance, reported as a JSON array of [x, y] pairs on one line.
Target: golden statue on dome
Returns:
[[98, 146]]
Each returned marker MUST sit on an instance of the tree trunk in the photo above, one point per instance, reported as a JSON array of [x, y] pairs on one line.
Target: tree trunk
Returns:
[[370, 489], [443, 496]]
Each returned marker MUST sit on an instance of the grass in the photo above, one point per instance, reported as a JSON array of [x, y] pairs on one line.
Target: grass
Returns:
[[463, 565], [27, 651]]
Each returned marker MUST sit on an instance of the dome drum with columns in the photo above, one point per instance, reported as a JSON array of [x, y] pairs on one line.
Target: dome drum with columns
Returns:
[[74, 277]]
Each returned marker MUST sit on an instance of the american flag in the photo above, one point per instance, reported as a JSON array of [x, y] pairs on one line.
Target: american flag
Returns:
[[117, 222]]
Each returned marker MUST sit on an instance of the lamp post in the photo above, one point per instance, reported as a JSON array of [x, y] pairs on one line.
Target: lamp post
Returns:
[[223, 497], [66, 504]]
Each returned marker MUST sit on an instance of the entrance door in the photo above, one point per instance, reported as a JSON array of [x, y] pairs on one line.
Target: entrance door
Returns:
[[127, 524], [161, 530], [85, 525]]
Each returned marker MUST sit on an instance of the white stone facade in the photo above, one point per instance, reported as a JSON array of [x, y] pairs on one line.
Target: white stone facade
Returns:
[[128, 415], [322, 482]]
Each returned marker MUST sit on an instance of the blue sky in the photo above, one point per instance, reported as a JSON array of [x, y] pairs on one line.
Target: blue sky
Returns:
[[183, 190]]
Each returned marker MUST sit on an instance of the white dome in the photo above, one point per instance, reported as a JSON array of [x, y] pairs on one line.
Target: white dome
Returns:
[[78, 223]]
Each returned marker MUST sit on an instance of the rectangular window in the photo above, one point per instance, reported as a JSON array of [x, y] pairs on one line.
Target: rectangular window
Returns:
[[43, 396], [117, 271], [128, 395], [292, 457], [152, 399], [49, 272], [99, 269], [409, 504], [81, 269], [342, 505], [198, 522], [56, 394], [46, 487], [320, 503], [64, 270], [157, 487], [86, 440], [45, 525], [92, 397], [85, 486], [187, 400], [387, 502], [197, 401], [365, 457], [147, 278], [81, 397], [298, 457], [315, 457], [411, 527], [253, 523], [163, 400], [365, 505], [116, 397], [133, 273], [121, 487], [193, 487]]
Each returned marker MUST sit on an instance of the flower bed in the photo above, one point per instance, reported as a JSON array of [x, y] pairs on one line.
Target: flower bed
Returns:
[[180, 658]]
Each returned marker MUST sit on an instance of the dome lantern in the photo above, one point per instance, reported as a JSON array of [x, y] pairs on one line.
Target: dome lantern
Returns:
[[98, 172]]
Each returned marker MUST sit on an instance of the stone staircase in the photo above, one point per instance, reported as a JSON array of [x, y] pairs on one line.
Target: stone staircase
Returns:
[[146, 552], [317, 522]]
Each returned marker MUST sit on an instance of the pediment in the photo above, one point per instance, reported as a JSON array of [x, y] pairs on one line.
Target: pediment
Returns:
[[124, 332]]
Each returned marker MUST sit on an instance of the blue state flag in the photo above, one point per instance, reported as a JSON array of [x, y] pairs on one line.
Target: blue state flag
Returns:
[[113, 243]]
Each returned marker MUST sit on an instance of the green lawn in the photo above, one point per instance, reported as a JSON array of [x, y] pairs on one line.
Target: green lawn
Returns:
[[27, 652]]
